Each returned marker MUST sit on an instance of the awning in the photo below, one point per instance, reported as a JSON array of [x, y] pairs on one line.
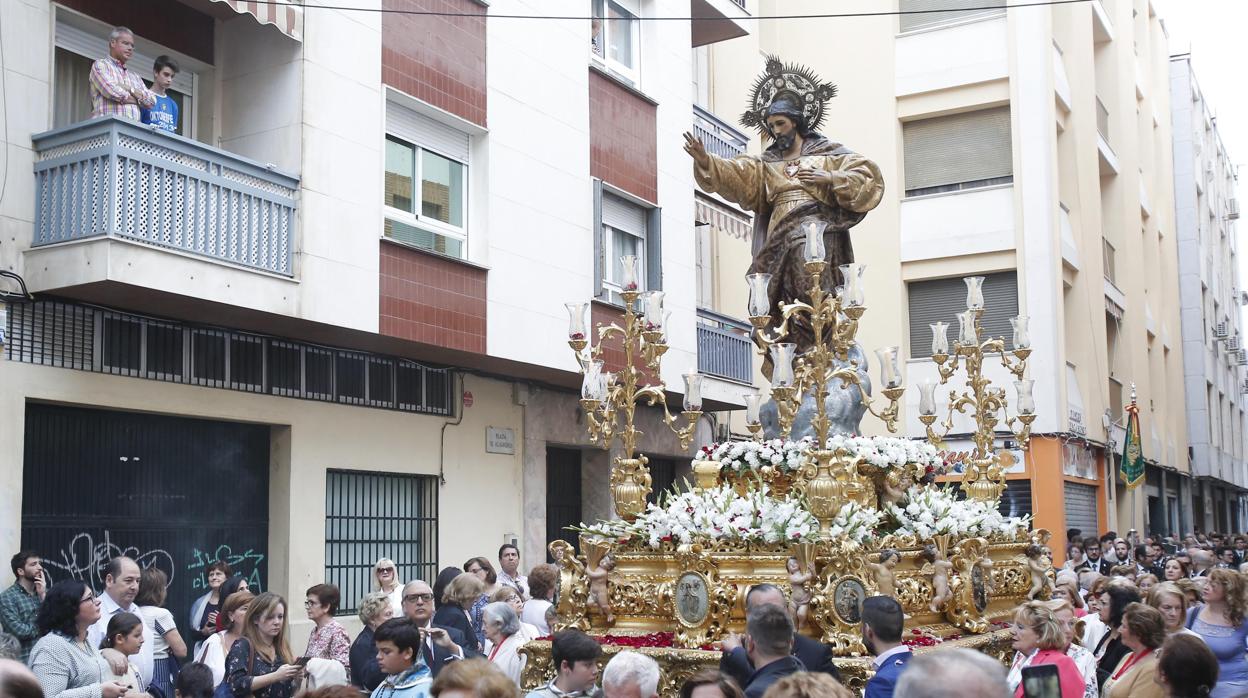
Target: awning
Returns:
[[286, 15], [723, 218]]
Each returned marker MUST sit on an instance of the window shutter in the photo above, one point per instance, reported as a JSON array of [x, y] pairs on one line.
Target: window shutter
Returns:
[[958, 148], [427, 133], [912, 22], [940, 300], [622, 214], [654, 249]]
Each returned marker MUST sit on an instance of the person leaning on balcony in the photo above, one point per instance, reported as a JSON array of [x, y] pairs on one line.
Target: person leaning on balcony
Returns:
[[115, 89]]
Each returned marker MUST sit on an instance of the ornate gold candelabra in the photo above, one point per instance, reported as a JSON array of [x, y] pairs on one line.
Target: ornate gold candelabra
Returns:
[[610, 399], [985, 476], [829, 479]]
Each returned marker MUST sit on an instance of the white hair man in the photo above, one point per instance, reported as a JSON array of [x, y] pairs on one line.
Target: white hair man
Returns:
[[954, 673], [631, 675], [115, 89]]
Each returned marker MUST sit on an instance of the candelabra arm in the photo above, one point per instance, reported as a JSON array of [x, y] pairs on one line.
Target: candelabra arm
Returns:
[[1017, 365]]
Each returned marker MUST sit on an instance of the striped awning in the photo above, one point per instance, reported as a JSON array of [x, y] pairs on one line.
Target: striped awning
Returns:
[[723, 218], [286, 15]]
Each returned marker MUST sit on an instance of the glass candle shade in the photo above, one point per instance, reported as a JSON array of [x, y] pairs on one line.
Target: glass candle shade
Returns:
[[577, 313], [855, 293], [593, 385], [974, 292], [940, 337], [890, 366], [760, 302], [927, 397], [1022, 338], [1026, 401], [667, 316], [967, 334], [753, 402], [653, 309], [782, 364], [628, 272], [693, 391], [814, 250]]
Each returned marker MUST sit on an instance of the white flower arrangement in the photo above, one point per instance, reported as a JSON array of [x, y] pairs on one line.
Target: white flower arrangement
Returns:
[[855, 522], [715, 514], [787, 456], [933, 511]]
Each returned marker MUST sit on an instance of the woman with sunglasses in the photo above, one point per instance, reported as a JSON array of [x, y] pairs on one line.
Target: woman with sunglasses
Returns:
[[386, 579]]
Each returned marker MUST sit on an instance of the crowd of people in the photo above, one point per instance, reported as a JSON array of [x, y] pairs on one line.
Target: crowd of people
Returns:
[[1148, 618]]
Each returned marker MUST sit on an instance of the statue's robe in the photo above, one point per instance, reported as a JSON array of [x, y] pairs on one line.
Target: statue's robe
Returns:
[[768, 186]]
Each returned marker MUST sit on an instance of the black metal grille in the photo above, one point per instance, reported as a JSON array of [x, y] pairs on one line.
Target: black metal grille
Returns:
[[369, 516], [70, 335]]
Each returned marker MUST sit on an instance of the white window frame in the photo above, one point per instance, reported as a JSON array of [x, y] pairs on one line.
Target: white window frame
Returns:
[[417, 220], [631, 74]]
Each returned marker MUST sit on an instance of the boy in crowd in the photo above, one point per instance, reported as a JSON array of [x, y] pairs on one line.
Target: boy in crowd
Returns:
[[399, 657], [575, 656], [164, 113]]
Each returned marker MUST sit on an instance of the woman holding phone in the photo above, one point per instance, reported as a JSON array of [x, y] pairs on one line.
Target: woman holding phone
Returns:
[[260, 663]]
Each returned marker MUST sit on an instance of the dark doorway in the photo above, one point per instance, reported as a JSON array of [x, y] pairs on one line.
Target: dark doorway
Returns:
[[662, 477], [171, 492], [563, 494]]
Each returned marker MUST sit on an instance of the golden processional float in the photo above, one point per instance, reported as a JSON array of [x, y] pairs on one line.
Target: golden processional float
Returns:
[[828, 516]]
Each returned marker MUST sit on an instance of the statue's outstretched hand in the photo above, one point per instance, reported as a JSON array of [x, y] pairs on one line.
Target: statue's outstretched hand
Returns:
[[696, 150]]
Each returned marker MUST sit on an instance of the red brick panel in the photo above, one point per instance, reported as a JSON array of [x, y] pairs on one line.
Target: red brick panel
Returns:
[[172, 24], [440, 60], [622, 141], [430, 299], [613, 354]]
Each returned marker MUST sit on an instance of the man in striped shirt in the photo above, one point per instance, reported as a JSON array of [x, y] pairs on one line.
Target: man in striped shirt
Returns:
[[116, 90]]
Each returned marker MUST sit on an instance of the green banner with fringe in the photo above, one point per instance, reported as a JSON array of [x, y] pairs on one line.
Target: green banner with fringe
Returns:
[[1132, 468]]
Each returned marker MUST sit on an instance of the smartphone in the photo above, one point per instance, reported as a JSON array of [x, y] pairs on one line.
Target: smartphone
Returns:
[[1041, 682], [302, 661]]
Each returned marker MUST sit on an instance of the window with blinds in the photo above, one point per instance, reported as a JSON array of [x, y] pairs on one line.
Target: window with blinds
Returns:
[[940, 300], [958, 151], [923, 14], [625, 228]]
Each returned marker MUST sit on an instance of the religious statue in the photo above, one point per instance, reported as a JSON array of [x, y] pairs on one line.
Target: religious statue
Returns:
[[893, 487], [801, 176], [799, 581], [599, 593], [1039, 566], [939, 569]]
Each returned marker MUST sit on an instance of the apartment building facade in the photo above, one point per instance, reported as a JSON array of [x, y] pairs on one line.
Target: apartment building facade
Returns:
[[324, 323], [1211, 295], [1030, 147]]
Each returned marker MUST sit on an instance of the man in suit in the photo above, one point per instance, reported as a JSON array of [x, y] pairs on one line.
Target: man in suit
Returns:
[[814, 655], [882, 625], [1096, 563], [769, 644], [439, 644]]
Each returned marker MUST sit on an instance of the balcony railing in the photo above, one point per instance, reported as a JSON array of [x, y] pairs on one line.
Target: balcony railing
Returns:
[[724, 347], [718, 137], [115, 178]]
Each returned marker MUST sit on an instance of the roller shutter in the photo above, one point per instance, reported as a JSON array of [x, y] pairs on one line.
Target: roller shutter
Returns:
[[942, 299], [958, 148]]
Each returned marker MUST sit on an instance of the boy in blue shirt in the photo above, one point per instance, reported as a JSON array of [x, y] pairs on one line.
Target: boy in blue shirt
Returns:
[[399, 656], [164, 113]]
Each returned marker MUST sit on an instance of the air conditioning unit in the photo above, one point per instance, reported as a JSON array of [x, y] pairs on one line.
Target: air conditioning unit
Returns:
[[1220, 330], [1243, 386], [1232, 344], [1232, 209], [1242, 359]]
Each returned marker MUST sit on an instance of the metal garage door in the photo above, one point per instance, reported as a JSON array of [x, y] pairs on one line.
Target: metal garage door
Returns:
[[170, 492], [1081, 507]]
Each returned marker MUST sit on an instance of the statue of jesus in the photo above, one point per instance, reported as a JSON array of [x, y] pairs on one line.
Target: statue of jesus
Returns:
[[801, 176]]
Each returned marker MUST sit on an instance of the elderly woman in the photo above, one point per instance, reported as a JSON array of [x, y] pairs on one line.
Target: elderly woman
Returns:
[[375, 609], [1084, 659], [1039, 639], [1142, 630], [489, 578], [204, 610], [502, 629], [453, 611], [1171, 602], [512, 598], [1069, 592], [1110, 650], [65, 665]]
